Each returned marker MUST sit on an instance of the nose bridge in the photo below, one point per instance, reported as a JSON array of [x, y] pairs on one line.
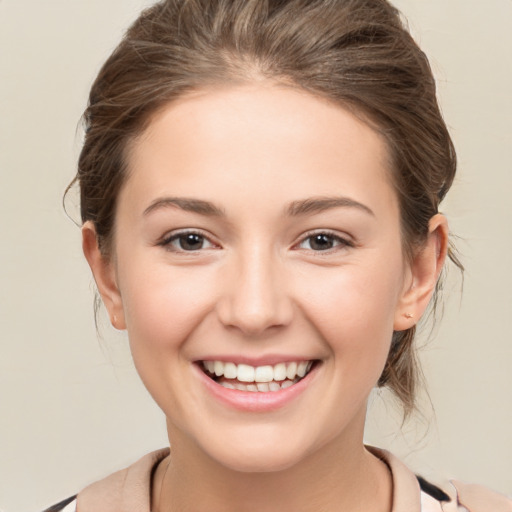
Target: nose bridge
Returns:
[[257, 297]]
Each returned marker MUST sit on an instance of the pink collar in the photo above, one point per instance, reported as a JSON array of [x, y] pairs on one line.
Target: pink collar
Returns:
[[129, 490]]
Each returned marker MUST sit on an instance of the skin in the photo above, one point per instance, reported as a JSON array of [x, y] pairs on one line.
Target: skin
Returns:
[[258, 286]]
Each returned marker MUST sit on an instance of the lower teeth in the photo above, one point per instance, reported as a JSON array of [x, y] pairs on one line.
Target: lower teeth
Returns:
[[261, 387]]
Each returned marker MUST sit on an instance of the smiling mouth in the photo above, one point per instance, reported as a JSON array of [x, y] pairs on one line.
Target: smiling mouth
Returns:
[[244, 377]]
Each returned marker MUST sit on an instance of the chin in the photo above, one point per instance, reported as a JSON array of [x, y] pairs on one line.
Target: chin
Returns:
[[257, 454], [251, 461]]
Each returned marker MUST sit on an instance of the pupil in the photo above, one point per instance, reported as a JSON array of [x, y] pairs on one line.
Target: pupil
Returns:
[[321, 242], [191, 242]]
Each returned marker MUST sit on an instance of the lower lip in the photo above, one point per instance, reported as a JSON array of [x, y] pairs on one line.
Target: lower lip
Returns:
[[256, 401]]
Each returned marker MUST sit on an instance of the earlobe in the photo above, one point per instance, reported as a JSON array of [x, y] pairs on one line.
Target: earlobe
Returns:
[[104, 275], [425, 269]]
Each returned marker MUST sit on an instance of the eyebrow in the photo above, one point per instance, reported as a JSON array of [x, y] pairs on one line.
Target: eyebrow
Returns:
[[294, 209], [320, 204], [187, 204]]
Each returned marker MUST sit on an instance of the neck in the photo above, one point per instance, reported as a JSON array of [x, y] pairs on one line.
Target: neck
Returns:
[[341, 476]]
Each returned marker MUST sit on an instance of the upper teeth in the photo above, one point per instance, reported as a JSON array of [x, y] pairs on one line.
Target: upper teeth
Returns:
[[247, 373]]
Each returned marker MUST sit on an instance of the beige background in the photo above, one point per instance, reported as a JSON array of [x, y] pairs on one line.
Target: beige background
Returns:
[[72, 408]]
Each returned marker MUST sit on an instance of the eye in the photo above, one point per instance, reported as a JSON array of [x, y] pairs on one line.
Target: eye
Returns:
[[186, 241], [324, 241]]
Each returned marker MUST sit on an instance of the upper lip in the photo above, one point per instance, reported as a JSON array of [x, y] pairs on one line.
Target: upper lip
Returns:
[[270, 359]]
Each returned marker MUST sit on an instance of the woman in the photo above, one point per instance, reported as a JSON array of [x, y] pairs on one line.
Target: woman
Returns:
[[260, 186]]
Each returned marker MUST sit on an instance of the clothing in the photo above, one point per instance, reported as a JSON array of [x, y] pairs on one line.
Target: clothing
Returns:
[[129, 490]]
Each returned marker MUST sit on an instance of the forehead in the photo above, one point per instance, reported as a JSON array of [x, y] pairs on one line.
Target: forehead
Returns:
[[257, 141]]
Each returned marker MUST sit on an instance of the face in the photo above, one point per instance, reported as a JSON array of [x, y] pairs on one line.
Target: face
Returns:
[[258, 237]]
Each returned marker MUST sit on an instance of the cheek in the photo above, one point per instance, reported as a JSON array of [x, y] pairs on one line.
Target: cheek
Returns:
[[164, 305], [353, 308]]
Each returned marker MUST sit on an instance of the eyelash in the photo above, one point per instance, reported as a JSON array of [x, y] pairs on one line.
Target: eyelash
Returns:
[[339, 241], [168, 240]]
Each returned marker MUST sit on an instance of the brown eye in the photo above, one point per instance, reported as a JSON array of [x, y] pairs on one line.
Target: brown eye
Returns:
[[191, 242], [186, 242], [323, 242]]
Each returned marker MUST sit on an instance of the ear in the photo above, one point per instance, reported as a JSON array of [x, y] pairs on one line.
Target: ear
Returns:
[[104, 274], [425, 269]]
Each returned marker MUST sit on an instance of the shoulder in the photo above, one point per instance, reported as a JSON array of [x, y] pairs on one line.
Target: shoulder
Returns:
[[410, 490], [477, 498], [128, 490], [460, 497], [67, 505], [457, 496]]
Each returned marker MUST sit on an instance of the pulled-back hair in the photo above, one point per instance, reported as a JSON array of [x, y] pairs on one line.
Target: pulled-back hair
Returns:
[[357, 53]]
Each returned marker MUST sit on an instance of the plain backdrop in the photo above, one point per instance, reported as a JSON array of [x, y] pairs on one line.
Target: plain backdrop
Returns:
[[71, 406]]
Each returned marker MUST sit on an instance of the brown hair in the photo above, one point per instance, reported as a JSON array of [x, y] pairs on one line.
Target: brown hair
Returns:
[[357, 53]]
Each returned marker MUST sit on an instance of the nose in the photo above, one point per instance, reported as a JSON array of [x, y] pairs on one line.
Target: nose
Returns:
[[255, 297]]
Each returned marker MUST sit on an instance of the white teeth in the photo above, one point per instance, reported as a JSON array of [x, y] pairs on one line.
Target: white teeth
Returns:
[[274, 386], [301, 369], [245, 373], [230, 371], [280, 372], [258, 374], [291, 371], [219, 368], [264, 374], [262, 387]]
